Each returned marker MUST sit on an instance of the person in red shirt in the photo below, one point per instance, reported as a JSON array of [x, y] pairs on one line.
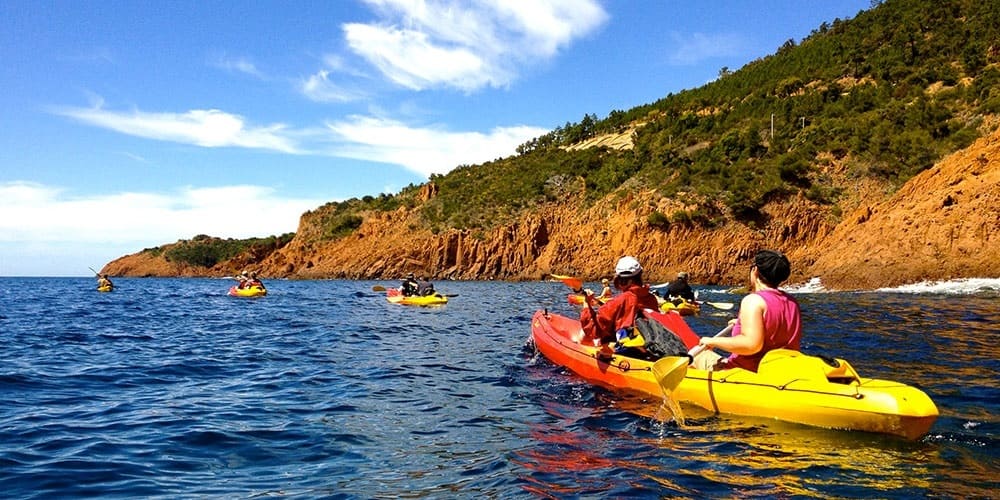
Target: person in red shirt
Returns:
[[600, 324]]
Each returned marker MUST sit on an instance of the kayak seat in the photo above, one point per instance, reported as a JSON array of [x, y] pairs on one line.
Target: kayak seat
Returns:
[[788, 362]]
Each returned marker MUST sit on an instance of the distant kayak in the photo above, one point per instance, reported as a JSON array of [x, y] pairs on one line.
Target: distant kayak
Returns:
[[105, 288], [394, 296], [576, 299], [790, 386], [253, 291], [684, 307]]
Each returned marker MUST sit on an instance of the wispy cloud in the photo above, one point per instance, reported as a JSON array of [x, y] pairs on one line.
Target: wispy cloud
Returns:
[[236, 64], [97, 55], [209, 128], [691, 49], [320, 88], [133, 156], [32, 212], [467, 45], [423, 150]]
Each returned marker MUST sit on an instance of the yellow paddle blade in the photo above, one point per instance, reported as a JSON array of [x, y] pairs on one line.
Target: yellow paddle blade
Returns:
[[574, 283], [670, 371]]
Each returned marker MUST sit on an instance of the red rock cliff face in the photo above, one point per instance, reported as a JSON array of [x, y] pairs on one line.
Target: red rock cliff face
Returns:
[[942, 224], [556, 239]]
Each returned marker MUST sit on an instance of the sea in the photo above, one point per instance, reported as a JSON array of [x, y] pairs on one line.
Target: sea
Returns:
[[170, 388]]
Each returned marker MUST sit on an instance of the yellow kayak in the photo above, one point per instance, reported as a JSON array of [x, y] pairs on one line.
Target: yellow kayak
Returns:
[[105, 288], [576, 299], [684, 308], [394, 296], [789, 385], [253, 291]]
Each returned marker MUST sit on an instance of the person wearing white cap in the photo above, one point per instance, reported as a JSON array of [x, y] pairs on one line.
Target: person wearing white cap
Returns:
[[600, 325]]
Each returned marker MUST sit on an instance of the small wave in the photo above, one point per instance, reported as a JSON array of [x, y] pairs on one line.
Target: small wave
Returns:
[[814, 285], [964, 286]]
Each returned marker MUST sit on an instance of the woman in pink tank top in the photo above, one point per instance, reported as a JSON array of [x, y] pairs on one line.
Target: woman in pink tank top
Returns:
[[768, 319]]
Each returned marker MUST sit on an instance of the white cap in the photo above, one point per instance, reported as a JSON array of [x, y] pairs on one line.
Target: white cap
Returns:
[[627, 267]]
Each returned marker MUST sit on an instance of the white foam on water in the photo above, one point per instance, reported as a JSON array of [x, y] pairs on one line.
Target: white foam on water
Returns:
[[964, 286], [814, 285]]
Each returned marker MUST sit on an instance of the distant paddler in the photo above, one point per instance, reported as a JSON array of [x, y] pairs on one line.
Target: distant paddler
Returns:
[[104, 284]]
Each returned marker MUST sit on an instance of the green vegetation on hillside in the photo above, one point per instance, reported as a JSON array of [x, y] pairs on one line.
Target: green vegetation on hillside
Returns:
[[207, 251], [889, 92]]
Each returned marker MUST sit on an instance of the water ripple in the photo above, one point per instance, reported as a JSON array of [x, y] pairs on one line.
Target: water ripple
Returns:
[[169, 388]]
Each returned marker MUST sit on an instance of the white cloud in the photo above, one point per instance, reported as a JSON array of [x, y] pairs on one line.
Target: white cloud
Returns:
[[411, 59], [695, 48], [423, 150], [31, 212], [210, 128], [237, 64], [467, 45], [320, 88], [45, 230]]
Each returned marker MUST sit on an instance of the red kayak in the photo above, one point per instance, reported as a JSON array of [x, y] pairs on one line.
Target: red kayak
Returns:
[[558, 339]]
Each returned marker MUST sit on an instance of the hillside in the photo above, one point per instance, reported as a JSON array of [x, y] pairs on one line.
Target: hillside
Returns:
[[854, 151], [942, 224]]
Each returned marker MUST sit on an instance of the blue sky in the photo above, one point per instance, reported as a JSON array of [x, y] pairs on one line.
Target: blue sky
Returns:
[[130, 124]]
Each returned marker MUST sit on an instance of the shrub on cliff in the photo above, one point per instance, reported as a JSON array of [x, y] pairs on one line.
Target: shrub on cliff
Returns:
[[207, 251]]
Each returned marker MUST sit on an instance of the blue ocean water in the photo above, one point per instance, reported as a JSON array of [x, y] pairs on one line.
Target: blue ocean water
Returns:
[[170, 388]]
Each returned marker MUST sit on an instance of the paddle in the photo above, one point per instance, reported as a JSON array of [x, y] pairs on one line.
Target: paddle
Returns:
[[670, 370], [575, 283], [724, 306], [95, 272]]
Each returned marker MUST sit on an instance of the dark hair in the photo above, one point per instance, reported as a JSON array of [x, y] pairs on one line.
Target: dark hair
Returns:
[[635, 279], [773, 267]]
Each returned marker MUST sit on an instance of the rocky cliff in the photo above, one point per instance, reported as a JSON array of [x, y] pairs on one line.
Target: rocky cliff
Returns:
[[942, 224]]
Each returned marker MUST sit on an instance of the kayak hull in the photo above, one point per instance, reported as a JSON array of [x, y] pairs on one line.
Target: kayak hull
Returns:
[[789, 386], [105, 288], [253, 291], [394, 296], [685, 308]]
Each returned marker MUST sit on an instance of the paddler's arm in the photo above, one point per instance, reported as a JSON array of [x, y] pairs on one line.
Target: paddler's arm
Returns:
[[751, 337]]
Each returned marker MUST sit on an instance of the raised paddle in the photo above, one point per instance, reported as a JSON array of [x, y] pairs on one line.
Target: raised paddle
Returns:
[[670, 370], [575, 283]]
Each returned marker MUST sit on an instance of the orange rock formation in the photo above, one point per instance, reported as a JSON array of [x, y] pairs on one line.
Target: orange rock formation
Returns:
[[943, 224]]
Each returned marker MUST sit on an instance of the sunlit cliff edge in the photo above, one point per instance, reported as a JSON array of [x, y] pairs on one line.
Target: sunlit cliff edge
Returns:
[[942, 224]]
